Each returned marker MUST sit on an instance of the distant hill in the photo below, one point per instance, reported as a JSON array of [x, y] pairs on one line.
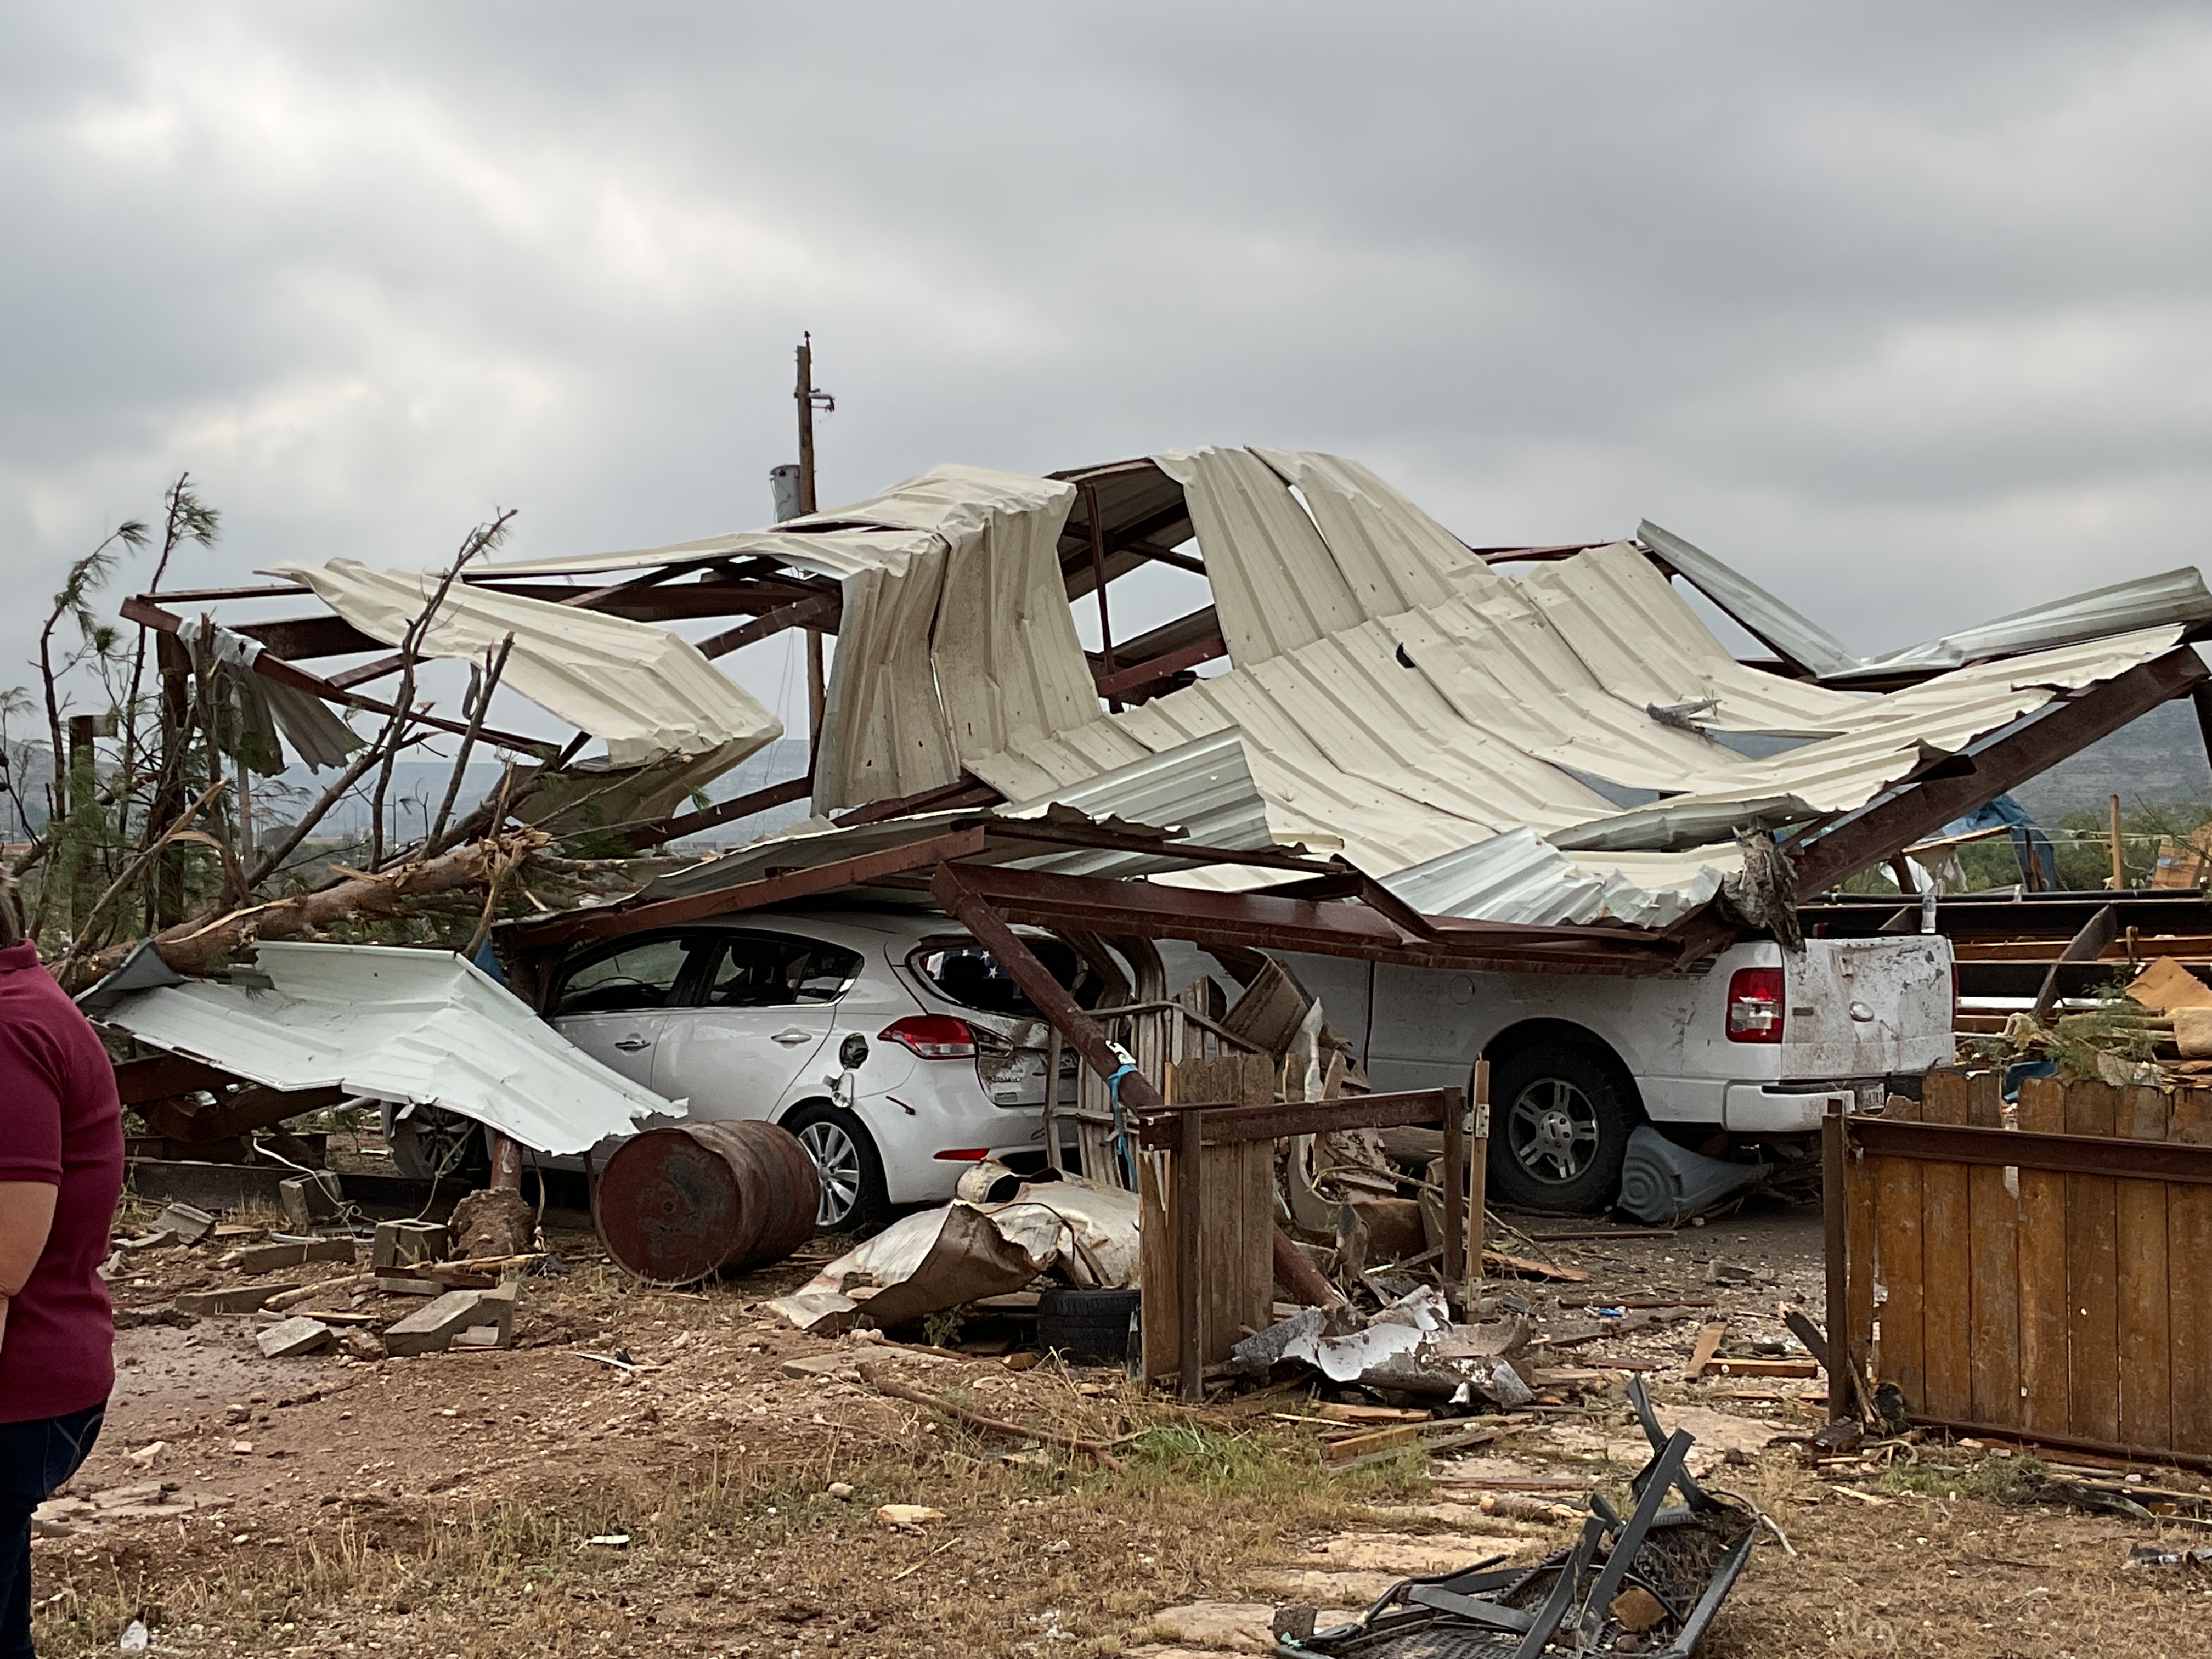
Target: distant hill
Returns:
[[2160, 760]]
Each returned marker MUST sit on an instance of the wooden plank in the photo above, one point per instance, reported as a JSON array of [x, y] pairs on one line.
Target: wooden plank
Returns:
[[1859, 1253], [1360, 1445], [2092, 1314], [2041, 1243], [1896, 1247], [1947, 1260], [1478, 1168], [2189, 1241], [1994, 1224], [1744, 1367], [2145, 1346], [1190, 1306], [1709, 1344], [1161, 1328]]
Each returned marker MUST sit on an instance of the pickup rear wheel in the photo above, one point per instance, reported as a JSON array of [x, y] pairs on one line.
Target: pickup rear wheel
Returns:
[[847, 1164], [1558, 1130]]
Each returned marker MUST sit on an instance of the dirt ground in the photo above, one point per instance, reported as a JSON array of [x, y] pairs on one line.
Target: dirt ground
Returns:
[[719, 1495]]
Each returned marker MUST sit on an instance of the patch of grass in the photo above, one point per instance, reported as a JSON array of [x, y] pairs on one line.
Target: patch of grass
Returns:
[[2013, 1480]]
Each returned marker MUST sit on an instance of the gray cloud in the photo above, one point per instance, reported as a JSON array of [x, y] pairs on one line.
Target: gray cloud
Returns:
[[1899, 307]]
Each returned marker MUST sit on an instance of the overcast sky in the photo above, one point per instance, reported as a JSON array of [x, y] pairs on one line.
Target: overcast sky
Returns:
[[1900, 308]]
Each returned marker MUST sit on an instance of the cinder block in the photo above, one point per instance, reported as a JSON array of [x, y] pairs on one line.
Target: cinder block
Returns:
[[296, 1335], [309, 1199], [493, 1326], [403, 1243], [238, 1299], [272, 1258], [432, 1330]]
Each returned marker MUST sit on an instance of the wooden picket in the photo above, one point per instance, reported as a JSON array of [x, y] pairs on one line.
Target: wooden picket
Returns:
[[2060, 1302]]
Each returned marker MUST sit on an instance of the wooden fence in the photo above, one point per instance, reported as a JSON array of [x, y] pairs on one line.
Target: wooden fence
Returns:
[[2047, 1278]]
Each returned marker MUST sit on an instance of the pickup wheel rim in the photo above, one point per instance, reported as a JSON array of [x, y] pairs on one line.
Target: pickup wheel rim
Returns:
[[837, 1167], [1554, 1130]]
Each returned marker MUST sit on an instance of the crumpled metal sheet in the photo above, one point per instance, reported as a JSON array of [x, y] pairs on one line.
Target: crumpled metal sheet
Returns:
[[937, 1259], [415, 1027], [648, 693]]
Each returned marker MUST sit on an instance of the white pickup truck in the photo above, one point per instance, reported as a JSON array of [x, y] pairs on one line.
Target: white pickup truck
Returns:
[[1753, 1044]]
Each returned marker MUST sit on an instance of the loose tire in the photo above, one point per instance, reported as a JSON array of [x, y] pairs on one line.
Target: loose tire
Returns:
[[1559, 1129], [847, 1164], [1086, 1327]]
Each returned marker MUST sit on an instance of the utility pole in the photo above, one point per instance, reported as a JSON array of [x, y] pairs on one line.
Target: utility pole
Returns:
[[810, 399]]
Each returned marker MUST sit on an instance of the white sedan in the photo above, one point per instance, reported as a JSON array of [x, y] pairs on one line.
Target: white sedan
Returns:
[[889, 1042]]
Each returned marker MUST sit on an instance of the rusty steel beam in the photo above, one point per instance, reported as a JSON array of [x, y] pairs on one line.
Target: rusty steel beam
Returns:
[[1920, 809], [820, 612], [1137, 676], [966, 790], [1116, 841], [614, 919], [161, 1077], [137, 609], [729, 812], [1117, 906]]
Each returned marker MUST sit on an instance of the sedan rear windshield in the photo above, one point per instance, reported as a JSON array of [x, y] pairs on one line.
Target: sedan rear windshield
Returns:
[[963, 971]]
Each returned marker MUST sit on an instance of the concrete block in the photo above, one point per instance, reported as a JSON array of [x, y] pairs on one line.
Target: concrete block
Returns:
[[238, 1299], [296, 1335], [494, 1324], [274, 1258], [309, 1199], [403, 1243], [191, 1225], [432, 1330], [399, 1284]]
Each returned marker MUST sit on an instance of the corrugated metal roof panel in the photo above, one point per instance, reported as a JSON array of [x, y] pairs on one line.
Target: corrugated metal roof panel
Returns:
[[648, 693], [415, 1027]]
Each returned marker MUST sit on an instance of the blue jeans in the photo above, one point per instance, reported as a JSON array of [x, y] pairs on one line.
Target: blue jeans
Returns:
[[35, 1458]]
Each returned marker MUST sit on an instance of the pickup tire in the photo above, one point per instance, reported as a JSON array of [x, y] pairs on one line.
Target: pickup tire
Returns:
[[1558, 1128], [847, 1164]]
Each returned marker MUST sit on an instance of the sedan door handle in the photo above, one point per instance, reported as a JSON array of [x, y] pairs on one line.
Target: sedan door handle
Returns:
[[630, 1045], [787, 1037]]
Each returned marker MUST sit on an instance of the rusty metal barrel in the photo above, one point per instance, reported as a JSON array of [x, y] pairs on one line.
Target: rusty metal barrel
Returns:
[[677, 1205]]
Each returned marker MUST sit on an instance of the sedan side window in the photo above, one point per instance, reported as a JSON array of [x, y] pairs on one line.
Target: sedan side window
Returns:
[[767, 971], [642, 975]]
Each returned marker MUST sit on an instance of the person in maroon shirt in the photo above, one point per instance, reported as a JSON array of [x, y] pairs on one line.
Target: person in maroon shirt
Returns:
[[61, 1172]]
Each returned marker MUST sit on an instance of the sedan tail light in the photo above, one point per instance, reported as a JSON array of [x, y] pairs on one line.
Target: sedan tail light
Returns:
[[1754, 1006], [932, 1037]]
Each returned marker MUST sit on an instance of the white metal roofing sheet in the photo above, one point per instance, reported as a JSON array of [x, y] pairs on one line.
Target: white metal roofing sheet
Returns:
[[415, 1027], [647, 693]]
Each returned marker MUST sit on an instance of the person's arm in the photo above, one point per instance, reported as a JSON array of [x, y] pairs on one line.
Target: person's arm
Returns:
[[26, 1215]]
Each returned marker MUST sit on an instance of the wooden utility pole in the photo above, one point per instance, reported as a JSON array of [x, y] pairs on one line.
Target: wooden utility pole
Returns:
[[806, 396], [2119, 864]]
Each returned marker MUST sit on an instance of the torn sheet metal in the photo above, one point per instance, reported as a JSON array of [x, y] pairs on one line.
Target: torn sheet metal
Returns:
[[418, 1028], [2171, 597], [270, 713], [1395, 697], [1410, 1346], [650, 696], [1202, 793], [933, 1260]]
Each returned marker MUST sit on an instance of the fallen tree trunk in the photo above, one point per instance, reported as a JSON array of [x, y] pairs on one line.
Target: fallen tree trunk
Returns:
[[198, 945]]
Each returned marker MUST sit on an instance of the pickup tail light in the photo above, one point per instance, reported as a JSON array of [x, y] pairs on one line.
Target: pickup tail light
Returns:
[[932, 1037], [1754, 1006]]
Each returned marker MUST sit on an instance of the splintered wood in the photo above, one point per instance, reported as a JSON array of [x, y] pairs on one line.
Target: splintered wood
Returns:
[[2041, 1301]]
